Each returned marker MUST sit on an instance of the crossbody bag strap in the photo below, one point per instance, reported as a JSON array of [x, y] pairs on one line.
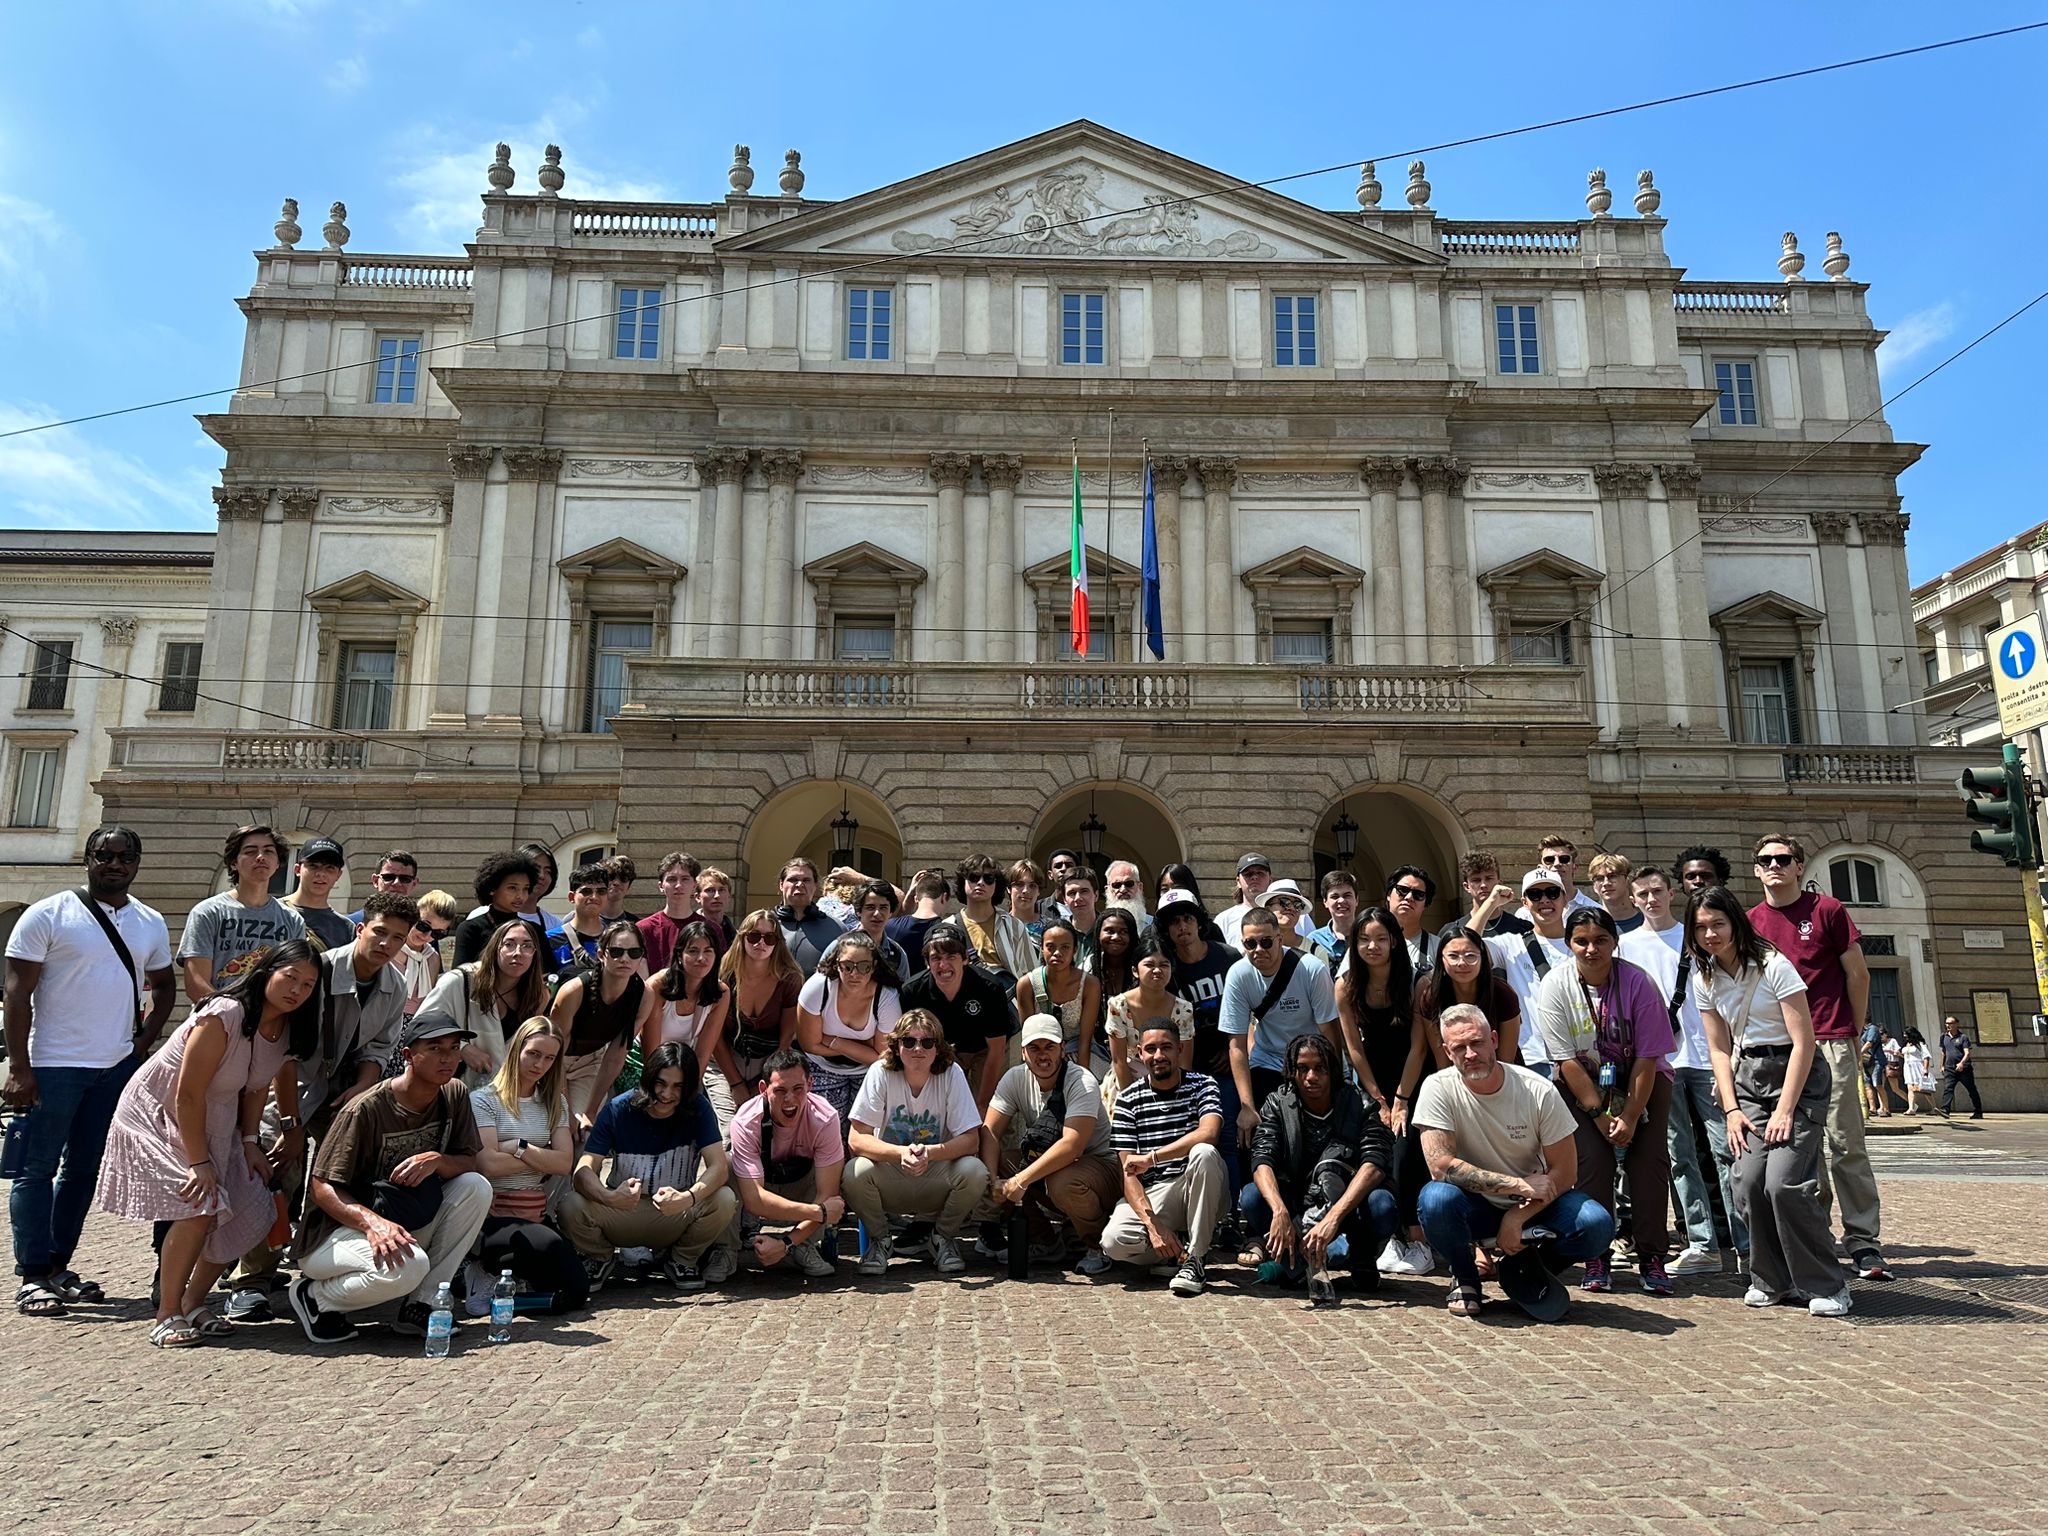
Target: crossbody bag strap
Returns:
[[1539, 954], [1290, 962], [114, 938]]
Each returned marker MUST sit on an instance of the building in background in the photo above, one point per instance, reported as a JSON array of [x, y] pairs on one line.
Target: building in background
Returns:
[[743, 526], [1954, 615]]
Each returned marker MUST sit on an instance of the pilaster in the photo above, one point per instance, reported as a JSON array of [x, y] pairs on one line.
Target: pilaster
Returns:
[[1219, 475], [1383, 477], [1001, 473], [778, 576], [949, 579], [1439, 475], [726, 468], [468, 465], [1168, 470]]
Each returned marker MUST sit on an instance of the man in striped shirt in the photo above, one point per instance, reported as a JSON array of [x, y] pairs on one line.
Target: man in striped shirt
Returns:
[[1165, 1130]]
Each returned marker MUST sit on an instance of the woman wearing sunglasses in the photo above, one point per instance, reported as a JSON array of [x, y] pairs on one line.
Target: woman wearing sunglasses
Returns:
[[762, 977], [842, 1015], [602, 1013], [421, 962], [492, 994], [692, 1008]]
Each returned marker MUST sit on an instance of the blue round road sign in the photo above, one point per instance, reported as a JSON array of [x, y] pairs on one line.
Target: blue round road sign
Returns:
[[2016, 655]]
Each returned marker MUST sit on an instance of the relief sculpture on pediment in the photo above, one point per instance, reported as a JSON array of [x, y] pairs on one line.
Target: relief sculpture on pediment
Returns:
[[1063, 213]]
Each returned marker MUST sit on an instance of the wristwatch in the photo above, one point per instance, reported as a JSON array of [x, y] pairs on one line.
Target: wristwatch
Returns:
[[520, 1153]]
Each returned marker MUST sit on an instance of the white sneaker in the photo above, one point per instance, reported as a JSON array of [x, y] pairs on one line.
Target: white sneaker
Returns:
[[1389, 1261], [1836, 1305], [1757, 1296], [477, 1285], [1696, 1260], [810, 1258], [719, 1265], [1418, 1258], [946, 1254], [876, 1260]]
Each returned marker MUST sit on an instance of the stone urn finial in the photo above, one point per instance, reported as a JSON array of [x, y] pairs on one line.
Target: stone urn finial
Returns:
[[501, 175], [335, 230], [1418, 186], [1836, 262], [1598, 198], [550, 174], [1791, 263], [742, 173], [1368, 185], [792, 177], [287, 226], [1648, 198]]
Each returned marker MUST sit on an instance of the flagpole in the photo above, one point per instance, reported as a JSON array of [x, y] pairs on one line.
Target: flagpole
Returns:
[[1109, 509]]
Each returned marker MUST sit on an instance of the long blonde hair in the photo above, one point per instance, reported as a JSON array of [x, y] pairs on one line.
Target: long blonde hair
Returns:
[[779, 957], [553, 1088]]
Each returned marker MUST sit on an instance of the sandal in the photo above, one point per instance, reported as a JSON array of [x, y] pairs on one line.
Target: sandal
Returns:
[[1253, 1256], [71, 1287], [208, 1323], [1465, 1301], [175, 1333], [37, 1299]]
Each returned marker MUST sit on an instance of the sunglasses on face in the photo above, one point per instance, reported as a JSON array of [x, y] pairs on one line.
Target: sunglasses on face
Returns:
[[115, 856], [437, 934], [1555, 860], [1775, 861], [855, 968], [394, 877], [981, 880], [765, 940], [1256, 944], [1546, 895], [918, 1043], [1410, 893], [613, 952], [1123, 885]]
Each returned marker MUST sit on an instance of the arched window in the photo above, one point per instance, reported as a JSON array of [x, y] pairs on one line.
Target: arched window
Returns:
[[1857, 882]]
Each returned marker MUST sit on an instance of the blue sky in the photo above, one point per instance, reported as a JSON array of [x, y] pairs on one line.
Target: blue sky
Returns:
[[146, 148]]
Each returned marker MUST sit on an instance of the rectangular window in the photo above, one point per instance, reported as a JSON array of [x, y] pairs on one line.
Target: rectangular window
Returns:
[[611, 643], [1770, 708], [1548, 645], [639, 323], [49, 677], [864, 640], [1930, 667], [1301, 643], [1101, 639], [1514, 334], [870, 321], [35, 787], [398, 370], [1081, 328], [1737, 384], [1294, 330], [179, 694], [363, 692]]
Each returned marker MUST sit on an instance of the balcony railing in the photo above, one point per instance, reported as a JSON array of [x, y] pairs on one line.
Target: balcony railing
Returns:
[[1851, 765], [644, 221], [1730, 298], [448, 274], [1469, 239]]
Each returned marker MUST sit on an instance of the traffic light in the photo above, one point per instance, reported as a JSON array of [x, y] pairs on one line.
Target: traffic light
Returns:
[[1998, 798]]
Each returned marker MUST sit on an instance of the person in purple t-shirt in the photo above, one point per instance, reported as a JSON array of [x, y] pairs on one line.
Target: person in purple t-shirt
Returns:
[[1607, 1029]]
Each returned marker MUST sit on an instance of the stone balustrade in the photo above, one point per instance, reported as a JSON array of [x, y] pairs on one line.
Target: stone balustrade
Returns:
[[644, 221], [1466, 238], [448, 274], [1730, 298], [1851, 765]]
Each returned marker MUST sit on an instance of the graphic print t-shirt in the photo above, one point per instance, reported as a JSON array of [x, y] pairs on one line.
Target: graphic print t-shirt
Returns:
[[234, 937], [656, 1152], [942, 1111]]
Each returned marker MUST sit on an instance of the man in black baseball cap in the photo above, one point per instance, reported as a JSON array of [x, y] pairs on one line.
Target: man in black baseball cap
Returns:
[[321, 864]]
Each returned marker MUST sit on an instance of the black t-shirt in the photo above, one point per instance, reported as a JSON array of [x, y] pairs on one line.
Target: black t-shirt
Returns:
[[1500, 923], [978, 1013], [909, 931], [1201, 983], [473, 933]]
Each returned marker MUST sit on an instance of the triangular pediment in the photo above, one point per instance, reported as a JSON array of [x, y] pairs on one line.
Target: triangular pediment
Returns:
[[1543, 567], [620, 557], [365, 589], [864, 562], [1078, 192], [1058, 570], [1766, 608], [1304, 567]]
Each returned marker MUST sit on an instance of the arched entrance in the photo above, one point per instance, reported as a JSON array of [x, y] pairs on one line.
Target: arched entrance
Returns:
[[1134, 827], [1396, 826], [797, 823]]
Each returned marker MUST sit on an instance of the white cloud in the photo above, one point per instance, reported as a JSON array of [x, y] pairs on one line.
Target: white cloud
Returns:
[[444, 182], [30, 236], [1919, 332], [348, 75], [62, 479]]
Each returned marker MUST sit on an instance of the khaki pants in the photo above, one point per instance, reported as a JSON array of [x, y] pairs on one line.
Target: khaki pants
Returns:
[[1085, 1192], [1845, 1172], [1188, 1205], [944, 1194], [598, 1230]]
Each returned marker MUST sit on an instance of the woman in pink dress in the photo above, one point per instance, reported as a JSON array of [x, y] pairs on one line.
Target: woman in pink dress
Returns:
[[183, 1147]]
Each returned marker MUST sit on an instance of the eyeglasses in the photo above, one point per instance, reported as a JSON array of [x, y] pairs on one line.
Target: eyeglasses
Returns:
[[423, 926], [855, 968], [393, 877], [765, 940], [917, 1043], [1775, 861], [1544, 893], [1284, 905], [1557, 860], [1410, 893], [1123, 885], [613, 952], [1252, 944]]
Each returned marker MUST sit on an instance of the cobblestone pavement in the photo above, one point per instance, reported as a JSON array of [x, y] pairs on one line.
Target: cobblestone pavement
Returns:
[[983, 1406]]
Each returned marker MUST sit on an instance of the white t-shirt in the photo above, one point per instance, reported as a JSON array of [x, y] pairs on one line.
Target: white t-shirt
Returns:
[[83, 1013], [1658, 955], [1754, 1017], [820, 996], [944, 1110], [1511, 960], [1504, 1131], [1019, 1096]]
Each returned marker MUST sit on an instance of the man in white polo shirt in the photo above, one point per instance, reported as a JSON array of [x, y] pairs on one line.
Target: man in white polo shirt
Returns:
[[76, 1031]]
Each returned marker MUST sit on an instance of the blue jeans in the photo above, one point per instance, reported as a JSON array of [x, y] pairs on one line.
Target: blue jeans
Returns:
[[1236, 1160], [67, 1132], [1692, 1098], [1358, 1243], [1455, 1219]]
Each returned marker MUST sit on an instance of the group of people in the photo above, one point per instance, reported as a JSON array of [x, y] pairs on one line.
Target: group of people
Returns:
[[1029, 1064]]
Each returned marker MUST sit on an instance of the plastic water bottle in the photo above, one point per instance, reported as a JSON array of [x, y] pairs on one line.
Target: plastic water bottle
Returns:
[[504, 1300], [441, 1324]]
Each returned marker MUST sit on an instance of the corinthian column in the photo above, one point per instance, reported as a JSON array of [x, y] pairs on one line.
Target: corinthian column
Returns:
[[949, 580], [1439, 476], [1219, 474], [727, 469], [1001, 472], [1167, 473], [778, 575], [1383, 481]]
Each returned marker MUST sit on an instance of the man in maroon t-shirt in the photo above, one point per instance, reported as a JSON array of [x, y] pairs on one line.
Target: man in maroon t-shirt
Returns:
[[1816, 934], [658, 930]]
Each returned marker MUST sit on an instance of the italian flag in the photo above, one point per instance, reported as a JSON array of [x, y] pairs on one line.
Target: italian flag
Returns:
[[1078, 565]]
